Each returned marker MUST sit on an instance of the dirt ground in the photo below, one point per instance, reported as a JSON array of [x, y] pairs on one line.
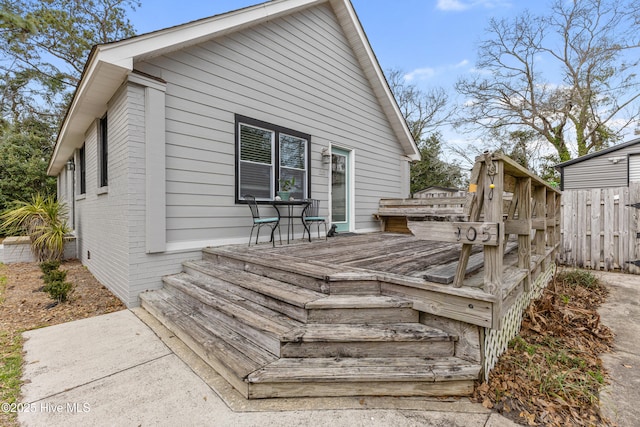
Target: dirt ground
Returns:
[[26, 306]]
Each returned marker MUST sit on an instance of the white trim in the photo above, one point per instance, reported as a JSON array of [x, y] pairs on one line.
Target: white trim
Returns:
[[147, 82], [155, 170], [199, 244]]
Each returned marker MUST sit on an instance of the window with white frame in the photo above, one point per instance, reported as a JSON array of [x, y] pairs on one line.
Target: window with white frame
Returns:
[[266, 155]]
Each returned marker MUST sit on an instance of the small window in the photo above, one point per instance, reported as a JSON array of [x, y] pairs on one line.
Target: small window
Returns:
[[267, 154], [82, 170], [103, 151]]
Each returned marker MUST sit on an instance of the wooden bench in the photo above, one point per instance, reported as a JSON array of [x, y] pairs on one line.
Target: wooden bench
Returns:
[[393, 213]]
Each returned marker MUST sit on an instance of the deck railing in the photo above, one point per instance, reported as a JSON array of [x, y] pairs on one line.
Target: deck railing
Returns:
[[504, 200]]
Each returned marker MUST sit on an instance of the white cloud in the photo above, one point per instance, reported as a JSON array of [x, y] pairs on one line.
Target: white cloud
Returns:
[[420, 74], [462, 64], [462, 5], [426, 73], [455, 5]]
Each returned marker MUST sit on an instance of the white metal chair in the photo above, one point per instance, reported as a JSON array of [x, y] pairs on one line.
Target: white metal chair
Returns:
[[258, 221]]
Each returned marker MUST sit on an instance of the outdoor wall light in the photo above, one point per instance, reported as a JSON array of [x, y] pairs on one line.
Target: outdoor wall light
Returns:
[[326, 156], [71, 165]]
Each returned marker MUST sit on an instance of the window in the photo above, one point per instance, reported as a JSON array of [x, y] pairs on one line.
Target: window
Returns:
[[103, 151], [82, 170], [266, 155]]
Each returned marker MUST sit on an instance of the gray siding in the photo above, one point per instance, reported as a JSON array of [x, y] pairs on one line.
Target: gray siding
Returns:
[[600, 171], [298, 72]]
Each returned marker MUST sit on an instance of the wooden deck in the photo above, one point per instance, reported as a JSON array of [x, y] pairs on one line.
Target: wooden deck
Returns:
[[402, 265], [372, 314]]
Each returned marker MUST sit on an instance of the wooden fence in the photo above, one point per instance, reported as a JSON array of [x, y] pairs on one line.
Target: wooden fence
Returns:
[[600, 227]]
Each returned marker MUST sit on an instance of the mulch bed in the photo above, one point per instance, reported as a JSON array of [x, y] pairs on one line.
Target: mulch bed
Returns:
[[551, 374], [26, 306]]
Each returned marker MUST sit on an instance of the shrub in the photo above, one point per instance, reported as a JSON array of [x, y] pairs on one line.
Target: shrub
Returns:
[[55, 276], [59, 290], [42, 220], [48, 266]]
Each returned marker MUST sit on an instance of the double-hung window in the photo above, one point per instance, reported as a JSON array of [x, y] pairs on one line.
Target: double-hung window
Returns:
[[267, 155], [82, 170], [103, 151]]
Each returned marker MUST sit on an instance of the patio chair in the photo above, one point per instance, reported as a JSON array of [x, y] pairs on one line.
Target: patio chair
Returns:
[[310, 216], [258, 221]]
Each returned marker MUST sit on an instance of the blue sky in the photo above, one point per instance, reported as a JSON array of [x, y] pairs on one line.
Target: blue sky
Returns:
[[433, 41]]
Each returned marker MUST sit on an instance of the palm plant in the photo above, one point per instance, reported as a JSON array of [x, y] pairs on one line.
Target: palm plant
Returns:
[[43, 220]]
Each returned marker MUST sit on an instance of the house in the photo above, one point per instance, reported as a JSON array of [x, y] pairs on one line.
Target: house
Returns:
[[612, 167], [168, 130], [436, 191]]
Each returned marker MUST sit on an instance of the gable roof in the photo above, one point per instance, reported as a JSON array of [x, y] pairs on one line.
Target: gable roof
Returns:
[[560, 166], [437, 187], [109, 64]]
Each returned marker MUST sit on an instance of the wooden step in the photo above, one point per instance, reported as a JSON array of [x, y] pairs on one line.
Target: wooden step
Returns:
[[377, 340], [274, 266], [257, 323], [361, 309], [229, 353], [409, 376], [274, 294], [314, 275]]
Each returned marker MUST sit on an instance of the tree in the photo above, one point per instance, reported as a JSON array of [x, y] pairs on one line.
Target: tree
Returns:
[[45, 45], [424, 112], [25, 149], [431, 169], [592, 44]]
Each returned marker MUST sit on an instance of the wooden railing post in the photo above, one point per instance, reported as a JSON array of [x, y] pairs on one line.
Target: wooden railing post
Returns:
[[494, 255], [523, 189], [472, 208], [540, 197]]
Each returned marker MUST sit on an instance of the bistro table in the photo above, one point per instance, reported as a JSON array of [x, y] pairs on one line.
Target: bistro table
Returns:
[[290, 205]]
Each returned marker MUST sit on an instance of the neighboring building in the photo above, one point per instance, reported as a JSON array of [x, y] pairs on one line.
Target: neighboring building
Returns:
[[168, 130], [435, 191], [612, 167]]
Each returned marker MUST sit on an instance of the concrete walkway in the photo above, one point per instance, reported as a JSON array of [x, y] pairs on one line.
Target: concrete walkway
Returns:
[[621, 312], [115, 370]]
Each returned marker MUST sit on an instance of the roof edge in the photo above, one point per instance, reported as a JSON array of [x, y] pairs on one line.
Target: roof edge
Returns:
[[597, 153]]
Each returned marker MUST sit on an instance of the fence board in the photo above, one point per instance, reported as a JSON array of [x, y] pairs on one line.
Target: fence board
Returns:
[[599, 228], [594, 255]]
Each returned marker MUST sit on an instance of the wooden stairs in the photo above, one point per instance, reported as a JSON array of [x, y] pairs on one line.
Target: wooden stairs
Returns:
[[276, 326]]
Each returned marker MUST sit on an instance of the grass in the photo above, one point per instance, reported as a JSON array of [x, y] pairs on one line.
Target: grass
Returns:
[[10, 362]]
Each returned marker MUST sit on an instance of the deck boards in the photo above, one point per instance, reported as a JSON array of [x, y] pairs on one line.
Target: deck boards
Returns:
[[391, 253]]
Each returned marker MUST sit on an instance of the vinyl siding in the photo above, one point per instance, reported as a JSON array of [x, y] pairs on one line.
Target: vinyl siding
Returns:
[[297, 72], [599, 171], [634, 168]]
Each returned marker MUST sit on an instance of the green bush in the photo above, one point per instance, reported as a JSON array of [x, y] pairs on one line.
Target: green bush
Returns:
[[48, 266], [55, 276], [59, 290], [54, 279]]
